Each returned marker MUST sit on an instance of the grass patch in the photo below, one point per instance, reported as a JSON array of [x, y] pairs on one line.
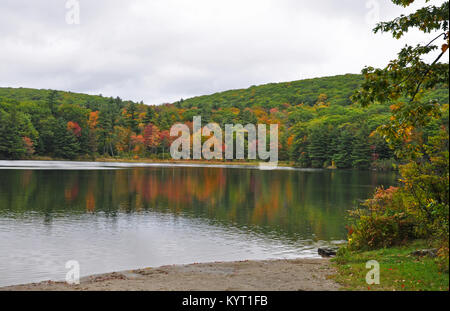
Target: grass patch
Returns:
[[399, 270]]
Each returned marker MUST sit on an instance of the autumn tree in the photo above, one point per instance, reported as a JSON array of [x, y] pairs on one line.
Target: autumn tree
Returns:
[[404, 81], [165, 141], [121, 139], [92, 133], [403, 84], [151, 137]]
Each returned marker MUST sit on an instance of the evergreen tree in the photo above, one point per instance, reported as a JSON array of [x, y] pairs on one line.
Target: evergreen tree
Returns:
[[118, 103], [283, 153], [46, 128], [382, 149], [131, 118], [333, 142], [361, 150], [206, 114], [106, 128], [247, 117], [299, 149], [317, 149], [66, 145], [52, 101], [164, 122], [342, 157], [92, 143], [11, 144], [149, 115]]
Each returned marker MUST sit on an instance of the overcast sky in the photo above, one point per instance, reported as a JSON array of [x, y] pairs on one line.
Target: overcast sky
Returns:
[[163, 50]]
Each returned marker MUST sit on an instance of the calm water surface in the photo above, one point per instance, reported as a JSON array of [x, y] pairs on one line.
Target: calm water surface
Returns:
[[112, 217]]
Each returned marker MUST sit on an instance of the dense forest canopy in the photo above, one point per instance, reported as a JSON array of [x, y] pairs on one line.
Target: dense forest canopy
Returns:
[[319, 126], [338, 90]]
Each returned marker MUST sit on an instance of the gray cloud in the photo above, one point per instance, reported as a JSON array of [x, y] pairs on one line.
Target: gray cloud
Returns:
[[162, 50]]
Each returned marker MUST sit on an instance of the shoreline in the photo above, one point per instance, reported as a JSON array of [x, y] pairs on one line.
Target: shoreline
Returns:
[[204, 163], [251, 275], [126, 163], [158, 161]]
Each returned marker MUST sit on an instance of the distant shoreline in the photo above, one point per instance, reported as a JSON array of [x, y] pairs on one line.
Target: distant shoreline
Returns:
[[205, 163], [168, 161], [194, 163], [128, 163]]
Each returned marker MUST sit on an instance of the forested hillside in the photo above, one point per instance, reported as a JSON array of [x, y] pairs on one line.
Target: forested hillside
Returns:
[[319, 125]]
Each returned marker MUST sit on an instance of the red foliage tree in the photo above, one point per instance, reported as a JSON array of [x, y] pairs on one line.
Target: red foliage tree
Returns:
[[151, 136], [74, 128]]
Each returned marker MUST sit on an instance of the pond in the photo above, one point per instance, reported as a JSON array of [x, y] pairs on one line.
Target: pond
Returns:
[[119, 216]]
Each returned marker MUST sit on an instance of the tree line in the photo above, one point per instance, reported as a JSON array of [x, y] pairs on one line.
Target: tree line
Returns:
[[319, 126]]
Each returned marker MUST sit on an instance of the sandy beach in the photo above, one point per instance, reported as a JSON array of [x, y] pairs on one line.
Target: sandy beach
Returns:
[[266, 275]]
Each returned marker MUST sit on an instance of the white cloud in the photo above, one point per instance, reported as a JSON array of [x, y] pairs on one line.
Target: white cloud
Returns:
[[162, 50]]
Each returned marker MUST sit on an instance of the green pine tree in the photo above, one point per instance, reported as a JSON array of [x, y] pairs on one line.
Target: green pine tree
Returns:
[[105, 130], [342, 157], [52, 101], [131, 118], [11, 144], [317, 148], [149, 115], [361, 150], [66, 145], [333, 142]]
